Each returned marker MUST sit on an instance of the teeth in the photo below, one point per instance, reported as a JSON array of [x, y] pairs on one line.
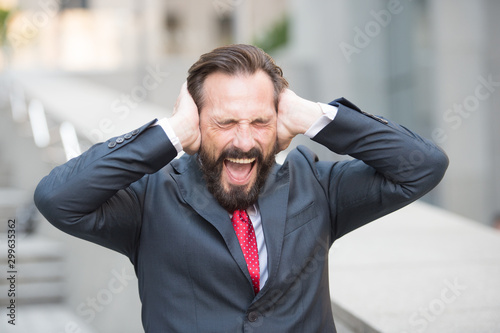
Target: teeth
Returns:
[[241, 160]]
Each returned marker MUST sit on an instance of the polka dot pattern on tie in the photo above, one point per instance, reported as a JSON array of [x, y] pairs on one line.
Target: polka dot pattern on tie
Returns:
[[246, 236]]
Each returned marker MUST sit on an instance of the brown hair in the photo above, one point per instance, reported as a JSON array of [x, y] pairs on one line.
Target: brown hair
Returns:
[[233, 60]]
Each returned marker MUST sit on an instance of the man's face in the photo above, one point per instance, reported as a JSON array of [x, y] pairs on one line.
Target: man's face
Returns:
[[238, 136]]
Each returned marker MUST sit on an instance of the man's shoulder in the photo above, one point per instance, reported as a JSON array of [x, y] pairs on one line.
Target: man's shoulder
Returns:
[[181, 164], [301, 154], [299, 160], [302, 160]]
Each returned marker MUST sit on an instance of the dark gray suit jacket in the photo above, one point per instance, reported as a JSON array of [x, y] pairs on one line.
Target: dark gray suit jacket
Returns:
[[129, 194]]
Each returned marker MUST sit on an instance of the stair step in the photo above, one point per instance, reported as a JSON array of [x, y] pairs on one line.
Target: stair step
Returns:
[[38, 270]]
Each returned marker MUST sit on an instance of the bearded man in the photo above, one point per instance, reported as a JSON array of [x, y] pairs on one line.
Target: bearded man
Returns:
[[223, 239]]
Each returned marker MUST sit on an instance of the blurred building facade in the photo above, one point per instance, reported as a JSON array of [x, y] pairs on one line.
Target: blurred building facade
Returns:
[[77, 35], [428, 65]]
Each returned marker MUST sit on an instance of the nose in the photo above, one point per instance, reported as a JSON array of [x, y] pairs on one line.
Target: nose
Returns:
[[243, 138]]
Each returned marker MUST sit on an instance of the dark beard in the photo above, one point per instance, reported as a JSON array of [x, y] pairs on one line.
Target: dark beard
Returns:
[[237, 197]]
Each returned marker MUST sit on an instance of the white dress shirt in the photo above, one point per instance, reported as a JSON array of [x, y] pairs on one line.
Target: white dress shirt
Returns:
[[329, 113]]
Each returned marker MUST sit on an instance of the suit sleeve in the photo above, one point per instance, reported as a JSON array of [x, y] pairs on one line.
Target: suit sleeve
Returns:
[[392, 167], [93, 197]]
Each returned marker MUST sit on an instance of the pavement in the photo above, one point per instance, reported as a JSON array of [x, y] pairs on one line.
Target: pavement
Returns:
[[420, 269]]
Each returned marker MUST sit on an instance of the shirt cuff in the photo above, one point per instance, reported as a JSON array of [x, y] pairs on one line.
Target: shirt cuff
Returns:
[[329, 113], [163, 123]]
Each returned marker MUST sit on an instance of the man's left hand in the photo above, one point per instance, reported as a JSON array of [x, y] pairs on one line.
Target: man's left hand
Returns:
[[295, 116]]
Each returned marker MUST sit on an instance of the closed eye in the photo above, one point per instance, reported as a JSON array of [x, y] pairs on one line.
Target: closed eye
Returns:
[[226, 122], [260, 121]]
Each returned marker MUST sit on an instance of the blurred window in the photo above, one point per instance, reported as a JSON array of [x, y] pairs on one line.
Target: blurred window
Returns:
[[225, 27], [74, 4], [173, 24]]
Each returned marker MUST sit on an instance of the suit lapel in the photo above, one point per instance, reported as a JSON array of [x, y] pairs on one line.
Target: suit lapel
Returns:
[[273, 203], [194, 191]]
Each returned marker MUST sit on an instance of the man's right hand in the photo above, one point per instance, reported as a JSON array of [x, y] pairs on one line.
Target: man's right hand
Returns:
[[185, 122]]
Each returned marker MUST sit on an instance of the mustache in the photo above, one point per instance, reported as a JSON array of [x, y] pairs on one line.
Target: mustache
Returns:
[[234, 152]]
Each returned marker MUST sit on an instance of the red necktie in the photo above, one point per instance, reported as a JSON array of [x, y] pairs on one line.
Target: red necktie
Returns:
[[246, 236]]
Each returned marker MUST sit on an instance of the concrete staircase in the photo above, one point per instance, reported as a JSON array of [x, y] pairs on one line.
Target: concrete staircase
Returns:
[[34, 279]]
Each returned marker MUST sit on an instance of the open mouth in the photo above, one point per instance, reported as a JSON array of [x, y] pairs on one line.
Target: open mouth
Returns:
[[239, 170]]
